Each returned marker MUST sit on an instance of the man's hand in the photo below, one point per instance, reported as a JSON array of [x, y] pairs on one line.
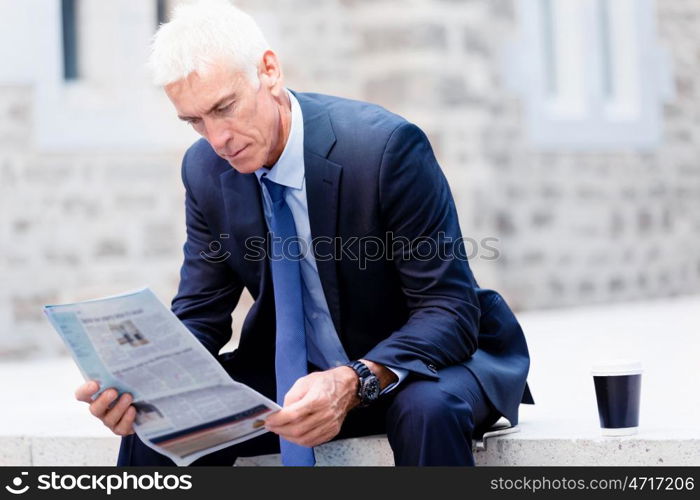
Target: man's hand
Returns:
[[119, 417], [315, 407]]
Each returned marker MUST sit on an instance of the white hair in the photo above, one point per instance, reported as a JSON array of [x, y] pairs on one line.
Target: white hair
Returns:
[[202, 34]]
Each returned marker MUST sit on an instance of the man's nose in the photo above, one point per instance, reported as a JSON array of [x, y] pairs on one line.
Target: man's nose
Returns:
[[218, 135]]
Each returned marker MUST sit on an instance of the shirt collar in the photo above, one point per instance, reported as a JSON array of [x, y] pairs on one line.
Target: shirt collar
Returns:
[[289, 169]]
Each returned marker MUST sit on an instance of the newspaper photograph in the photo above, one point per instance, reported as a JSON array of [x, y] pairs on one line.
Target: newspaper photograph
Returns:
[[187, 406]]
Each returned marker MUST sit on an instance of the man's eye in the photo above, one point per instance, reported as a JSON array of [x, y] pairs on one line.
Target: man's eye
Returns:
[[224, 109]]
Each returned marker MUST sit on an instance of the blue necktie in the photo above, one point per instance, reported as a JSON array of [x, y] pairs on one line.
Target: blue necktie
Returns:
[[290, 343]]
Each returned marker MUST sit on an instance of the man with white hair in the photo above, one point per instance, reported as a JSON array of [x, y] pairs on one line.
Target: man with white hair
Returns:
[[306, 196]]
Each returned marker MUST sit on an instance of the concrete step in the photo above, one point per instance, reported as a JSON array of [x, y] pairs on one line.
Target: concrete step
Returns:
[[375, 451]]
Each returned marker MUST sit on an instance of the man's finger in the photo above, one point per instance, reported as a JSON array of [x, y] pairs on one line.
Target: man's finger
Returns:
[[293, 418], [293, 432], [289, 414], [117, 412], [125, 425], [313, 429], [297, 391], [317, 435], [84, 392], [294, 404], [100, 406], [280, 419]]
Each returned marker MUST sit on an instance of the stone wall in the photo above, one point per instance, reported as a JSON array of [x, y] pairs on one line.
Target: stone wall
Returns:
[[78, 225], [572, 228]]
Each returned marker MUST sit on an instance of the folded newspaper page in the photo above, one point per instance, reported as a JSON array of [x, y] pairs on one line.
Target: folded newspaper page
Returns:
[[186, 404]]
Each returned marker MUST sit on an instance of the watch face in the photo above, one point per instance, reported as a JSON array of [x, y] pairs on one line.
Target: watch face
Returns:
[[370, 389]]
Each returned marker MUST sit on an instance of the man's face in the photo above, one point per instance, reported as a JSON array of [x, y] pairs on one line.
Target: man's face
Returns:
[[241, 123]]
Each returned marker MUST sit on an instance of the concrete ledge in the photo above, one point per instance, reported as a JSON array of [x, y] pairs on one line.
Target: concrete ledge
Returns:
[[375, 451], [58, 451], [510, 451], [370, 450], [15, 451], [596, 452]]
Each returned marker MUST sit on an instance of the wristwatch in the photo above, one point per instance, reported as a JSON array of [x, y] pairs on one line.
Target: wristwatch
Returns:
[[368, 391]]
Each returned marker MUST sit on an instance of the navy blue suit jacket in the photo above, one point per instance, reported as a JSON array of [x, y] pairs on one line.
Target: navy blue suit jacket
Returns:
[[368, 173]]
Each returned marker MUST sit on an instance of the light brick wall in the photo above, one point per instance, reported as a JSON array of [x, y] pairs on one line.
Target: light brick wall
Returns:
[[79, 225], [572, 228]]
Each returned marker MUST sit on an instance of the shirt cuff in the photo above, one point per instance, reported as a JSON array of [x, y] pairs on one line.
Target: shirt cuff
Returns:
[[400, 373]]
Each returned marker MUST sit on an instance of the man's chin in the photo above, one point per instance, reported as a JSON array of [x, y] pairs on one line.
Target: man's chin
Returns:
[[243, 167]]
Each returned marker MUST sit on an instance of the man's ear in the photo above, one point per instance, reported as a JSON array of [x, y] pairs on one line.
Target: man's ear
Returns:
[[270, 73]]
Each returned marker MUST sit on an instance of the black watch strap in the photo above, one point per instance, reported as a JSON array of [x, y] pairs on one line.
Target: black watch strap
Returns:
[[368, 391], [360, 368]]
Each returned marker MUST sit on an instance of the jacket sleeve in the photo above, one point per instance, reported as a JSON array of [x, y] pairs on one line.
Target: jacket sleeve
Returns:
[[209, 290], [417, 208]]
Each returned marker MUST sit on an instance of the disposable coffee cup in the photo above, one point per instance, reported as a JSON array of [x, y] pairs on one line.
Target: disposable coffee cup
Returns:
[[618, 386]]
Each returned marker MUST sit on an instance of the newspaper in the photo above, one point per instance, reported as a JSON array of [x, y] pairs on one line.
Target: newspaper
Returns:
[[186, 404]]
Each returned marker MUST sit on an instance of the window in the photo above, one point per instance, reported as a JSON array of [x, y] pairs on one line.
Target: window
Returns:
[[70, 39], [162, 12], [591, 73]]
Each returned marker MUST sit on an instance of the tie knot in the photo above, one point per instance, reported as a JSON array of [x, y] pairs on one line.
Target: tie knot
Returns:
[[276, 190]]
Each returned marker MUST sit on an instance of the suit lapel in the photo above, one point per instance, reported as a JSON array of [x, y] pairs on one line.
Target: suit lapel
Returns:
[[322, 187], [243, 203]]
